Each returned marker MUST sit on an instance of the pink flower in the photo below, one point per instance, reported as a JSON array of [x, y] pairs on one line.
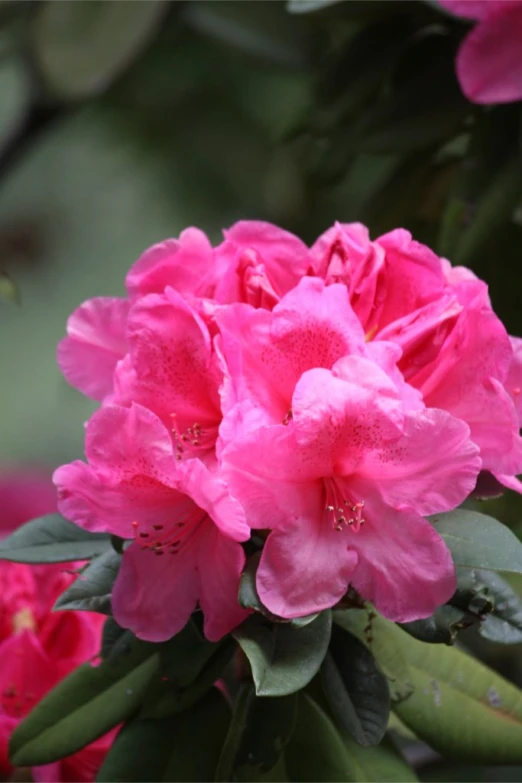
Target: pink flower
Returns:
[[39, 647], [489, 61], [343, 484], [185, 525], [172, 370], [455, 351]]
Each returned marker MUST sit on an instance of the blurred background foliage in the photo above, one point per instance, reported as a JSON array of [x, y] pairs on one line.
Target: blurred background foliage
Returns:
[[123, 122]]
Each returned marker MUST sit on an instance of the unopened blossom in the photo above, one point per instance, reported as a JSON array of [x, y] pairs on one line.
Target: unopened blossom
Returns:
[[184, 524], [489, 61], [39, 647]]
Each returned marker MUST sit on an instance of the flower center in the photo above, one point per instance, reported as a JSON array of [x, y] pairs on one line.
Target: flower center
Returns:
[[170, 539], [193, 439], [342, 511]]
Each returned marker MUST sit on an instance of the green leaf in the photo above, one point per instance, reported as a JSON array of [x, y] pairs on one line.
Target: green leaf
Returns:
[[381, 640], [478, 541], [259, 730], [442, 627], [91, 591], [81, 47], [503, 623], [356, 690], [316, 752], [451, 690], [8, 289], [283, 658], [52, 539], [381, 764], [189, 666], [112, 635], [182, 747], [84, 706]]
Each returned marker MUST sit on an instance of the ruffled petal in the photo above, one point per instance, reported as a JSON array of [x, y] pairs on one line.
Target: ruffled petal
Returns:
[[95, 342]]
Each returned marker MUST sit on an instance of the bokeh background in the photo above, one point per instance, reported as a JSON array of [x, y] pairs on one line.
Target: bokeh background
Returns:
[[121, 123]]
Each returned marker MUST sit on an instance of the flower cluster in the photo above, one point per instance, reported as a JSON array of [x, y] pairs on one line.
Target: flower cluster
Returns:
[[328, 398], [38, 647]]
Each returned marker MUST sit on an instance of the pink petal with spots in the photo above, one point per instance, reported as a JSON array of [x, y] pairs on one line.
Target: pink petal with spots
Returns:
[[267, 353], [172, 369], [95, 342]]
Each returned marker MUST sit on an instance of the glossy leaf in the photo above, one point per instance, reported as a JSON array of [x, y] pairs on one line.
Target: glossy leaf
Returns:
[[478, 541], [84, 706], [81, 47], [307, 6], [503, 624], [283, 658], [316, 751], [189, 666], [182, 747], [356, 689], [442, 627], [112, 637], [52, 539], [259, 730], [91, 591], [381, 640]]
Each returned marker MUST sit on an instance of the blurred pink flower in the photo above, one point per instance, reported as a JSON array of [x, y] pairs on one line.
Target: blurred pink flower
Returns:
[[38, 647], [185, 525], [489, 61]]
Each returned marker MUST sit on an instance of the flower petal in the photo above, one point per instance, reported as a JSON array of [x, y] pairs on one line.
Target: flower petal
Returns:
[[186, 264], [155, 596], [306, 566], [489, 61], [95, 342], [174, 372], [220, 563], [404, 567]]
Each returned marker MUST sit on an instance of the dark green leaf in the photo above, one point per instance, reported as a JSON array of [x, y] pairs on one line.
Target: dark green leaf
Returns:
[[316, 752], [81, 47], [260, 729], [502, 618], [355, 688], [112, 634], [91, 591], [479, 541], [183, 747], [442, 627], [284, 658], [84, 706], [189, 666], [382, 642], [52, 539]]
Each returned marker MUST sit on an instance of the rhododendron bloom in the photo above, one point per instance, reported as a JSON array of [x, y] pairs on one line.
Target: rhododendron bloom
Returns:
[[455, 350], [343, 484], [489, 61], [39, 647], [185, 525]]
